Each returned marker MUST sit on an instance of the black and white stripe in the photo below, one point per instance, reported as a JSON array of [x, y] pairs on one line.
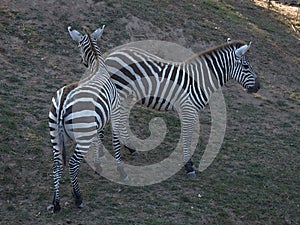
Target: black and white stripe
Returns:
[[185, 87], [81, 109]]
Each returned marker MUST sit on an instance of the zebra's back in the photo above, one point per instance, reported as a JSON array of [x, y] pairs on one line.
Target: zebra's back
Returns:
[[154, 82]]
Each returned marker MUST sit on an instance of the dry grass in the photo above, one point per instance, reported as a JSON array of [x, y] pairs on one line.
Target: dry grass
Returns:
[[253, 180]]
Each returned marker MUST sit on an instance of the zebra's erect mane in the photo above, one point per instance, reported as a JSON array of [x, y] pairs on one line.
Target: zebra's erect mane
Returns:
[[235, 44], [96, 56], [88, 34]]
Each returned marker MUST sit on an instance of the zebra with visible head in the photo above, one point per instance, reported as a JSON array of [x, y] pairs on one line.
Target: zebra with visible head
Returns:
[[79, 110], [183, 86]]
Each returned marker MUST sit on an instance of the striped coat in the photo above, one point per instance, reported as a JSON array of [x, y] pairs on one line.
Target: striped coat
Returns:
[[79, 110], [185, 87]]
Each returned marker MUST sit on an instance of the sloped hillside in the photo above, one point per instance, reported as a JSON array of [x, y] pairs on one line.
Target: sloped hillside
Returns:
[[253, 180]]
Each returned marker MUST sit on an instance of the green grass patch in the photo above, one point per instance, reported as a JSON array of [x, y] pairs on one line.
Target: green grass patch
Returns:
[[254, 178]]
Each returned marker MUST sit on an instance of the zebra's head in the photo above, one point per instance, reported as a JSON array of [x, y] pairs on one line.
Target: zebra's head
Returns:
[[243, 71], [87, 42]]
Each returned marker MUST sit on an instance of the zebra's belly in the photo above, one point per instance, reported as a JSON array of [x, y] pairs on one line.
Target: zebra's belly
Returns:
[[159, 99], [151, 102], [157, 103]]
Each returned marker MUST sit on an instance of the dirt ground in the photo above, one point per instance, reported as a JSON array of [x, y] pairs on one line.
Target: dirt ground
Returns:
[[254, 179]]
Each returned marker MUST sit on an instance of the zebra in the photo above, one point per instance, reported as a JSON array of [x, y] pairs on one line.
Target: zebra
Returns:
[[79, 110], [185, 86]]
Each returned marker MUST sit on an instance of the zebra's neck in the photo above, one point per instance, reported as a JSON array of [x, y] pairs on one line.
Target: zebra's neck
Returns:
[[96, 71], [92, 56], [94, 65], [209, 70]]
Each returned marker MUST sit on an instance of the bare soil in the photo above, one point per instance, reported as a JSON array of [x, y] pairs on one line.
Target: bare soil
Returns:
[[253, 180]]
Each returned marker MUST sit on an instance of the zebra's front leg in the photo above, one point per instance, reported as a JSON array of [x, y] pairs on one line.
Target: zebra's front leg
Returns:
[[74, 168], [124, 125], [188, 119]]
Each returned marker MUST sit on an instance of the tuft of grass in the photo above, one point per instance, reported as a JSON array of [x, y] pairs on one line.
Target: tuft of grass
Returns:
[[14, 79], [281, 103], [253, 179]]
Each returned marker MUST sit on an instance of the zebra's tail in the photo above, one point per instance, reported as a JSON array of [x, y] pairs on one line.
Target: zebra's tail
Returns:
[[61, 142]]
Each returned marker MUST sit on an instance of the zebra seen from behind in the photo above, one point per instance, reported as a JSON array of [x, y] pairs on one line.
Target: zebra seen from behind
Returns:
[[79, 110], [182, 86]]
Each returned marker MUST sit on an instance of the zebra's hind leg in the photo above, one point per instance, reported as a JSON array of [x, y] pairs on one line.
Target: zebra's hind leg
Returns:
[[74, 168], [124, 125], [132, 151], [57, 172]]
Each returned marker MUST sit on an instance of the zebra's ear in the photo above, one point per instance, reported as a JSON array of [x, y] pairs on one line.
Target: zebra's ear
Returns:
[[98, 33], [242, 50], [75, 35]]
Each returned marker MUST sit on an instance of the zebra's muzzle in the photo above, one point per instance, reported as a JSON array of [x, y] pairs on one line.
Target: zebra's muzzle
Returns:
[[255, 88]]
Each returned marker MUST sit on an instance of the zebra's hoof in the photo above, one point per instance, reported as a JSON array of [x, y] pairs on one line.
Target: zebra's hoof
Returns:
[[78, 200], [98, 169], [79, 203], [190, 169], [80, 206], [123, 174], [56, 208], [194, 167], [135, 153], [191, 174], [125, 179], [102, 159]]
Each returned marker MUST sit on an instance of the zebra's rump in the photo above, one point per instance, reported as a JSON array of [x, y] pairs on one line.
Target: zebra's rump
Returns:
[[81, 111], [87, 108]]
